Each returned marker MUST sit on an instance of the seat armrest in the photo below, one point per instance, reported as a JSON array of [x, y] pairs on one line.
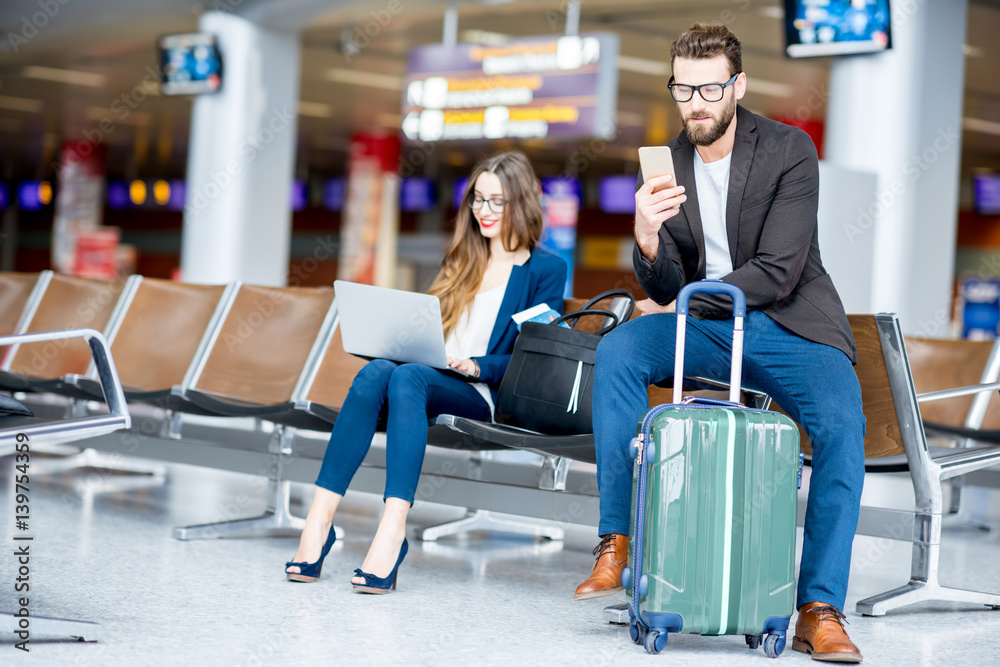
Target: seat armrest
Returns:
[[114, 396], [957, 391]]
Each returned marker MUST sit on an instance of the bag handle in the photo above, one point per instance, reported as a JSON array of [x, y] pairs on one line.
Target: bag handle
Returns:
[[613, 293], [588, 311], [739, 313]]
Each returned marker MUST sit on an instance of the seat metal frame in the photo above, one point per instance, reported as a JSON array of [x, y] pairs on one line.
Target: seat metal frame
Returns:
[[44, 431]]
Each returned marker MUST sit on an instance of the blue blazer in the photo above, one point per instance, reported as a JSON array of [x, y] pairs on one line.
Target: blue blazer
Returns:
[[542, 279]]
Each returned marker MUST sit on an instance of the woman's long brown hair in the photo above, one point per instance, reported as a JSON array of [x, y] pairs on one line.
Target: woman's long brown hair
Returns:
[[521, 227]]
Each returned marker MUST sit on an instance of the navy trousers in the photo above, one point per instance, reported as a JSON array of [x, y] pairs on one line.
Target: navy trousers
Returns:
[[414, 393], [814, 383]]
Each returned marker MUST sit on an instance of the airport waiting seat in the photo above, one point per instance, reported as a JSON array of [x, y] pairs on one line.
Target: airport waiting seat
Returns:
[[262, 355], [323, 391], [66, 303], [155, 334], [940, 363], [896, 440], [15, 292], [19, 293], [255, 356]]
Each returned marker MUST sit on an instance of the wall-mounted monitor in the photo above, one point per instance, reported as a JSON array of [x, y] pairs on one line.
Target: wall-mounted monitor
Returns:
[[836, 27], [300, 196], [190, 63], [459, 192], [617, 194], [986, 193], [562, 186], [417, 194], [333, 194]]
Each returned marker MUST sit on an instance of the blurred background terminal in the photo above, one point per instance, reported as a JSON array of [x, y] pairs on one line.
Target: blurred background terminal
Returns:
[[292, 142]]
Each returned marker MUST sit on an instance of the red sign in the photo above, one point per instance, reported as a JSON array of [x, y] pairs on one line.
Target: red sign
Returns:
[[96, 253], [371, 213]]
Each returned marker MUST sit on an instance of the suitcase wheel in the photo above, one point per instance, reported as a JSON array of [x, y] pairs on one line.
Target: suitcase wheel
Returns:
[[753, 641], [636, 632], [655, 641], [633, 448], [774, 645]]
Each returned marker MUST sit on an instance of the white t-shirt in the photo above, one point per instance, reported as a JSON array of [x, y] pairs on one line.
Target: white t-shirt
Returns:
[[471, 335], [712, 182]]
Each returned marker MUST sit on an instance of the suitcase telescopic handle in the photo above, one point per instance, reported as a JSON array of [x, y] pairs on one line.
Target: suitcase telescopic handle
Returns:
[[739, 313]]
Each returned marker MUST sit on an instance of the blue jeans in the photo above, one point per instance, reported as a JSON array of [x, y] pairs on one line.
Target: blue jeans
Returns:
[[814, 383], [414, 394]]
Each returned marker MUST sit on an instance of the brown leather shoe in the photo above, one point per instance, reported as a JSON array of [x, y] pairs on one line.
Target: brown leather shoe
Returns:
[[606, 577], [819, 630]]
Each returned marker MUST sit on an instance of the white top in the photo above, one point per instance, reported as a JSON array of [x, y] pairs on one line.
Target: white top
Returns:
[[712, 182], [471, 335]]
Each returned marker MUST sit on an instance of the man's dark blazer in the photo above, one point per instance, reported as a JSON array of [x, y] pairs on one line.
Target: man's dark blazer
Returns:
[[773, 236]]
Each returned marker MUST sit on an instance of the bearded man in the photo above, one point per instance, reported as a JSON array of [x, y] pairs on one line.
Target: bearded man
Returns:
[[743, 210]]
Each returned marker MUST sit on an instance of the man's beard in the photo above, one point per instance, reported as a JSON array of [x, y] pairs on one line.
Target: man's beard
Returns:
[[700, 135]]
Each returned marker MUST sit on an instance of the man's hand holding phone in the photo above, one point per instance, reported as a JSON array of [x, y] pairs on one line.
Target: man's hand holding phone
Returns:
[[658, 200]]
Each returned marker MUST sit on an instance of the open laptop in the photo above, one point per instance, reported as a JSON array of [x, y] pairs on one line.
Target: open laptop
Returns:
[[383, 323]]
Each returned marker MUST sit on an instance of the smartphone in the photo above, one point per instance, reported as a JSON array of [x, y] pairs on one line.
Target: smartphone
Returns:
[[657, 161]]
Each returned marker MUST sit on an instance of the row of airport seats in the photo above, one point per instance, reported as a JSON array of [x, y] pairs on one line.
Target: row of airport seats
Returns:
[[274, 355]]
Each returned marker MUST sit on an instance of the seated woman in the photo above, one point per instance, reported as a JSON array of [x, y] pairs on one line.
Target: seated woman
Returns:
[[492, 271]]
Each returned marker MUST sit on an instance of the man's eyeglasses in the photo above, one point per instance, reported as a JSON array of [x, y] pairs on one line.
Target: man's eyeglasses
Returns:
[[710, 92], [495, 204]]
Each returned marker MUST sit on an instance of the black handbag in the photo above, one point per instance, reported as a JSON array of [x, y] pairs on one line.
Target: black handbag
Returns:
[[548, 384]]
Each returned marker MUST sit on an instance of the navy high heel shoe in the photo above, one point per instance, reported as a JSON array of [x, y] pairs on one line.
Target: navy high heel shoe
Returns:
[[309, 572], [381, 585]]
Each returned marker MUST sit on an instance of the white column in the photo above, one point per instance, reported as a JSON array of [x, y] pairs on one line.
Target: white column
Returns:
[[237, 220], [898, 114]]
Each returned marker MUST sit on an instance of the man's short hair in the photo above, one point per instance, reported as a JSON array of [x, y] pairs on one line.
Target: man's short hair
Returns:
[[707, 40]]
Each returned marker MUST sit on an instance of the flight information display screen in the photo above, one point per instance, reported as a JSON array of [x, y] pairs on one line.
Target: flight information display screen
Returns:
[[190, 63], [836, 27]]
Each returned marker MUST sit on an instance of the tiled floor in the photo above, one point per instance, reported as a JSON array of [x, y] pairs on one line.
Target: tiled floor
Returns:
[[110, 557]]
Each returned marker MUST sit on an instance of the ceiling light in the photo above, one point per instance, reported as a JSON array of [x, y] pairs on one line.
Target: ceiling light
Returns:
[[315, 109], [70, 76], [20, 104], [643, 66], [980, 125], [358, 78]]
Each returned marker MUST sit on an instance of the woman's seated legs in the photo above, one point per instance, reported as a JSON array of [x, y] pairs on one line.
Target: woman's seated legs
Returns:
[[416, 393], [349, 443]]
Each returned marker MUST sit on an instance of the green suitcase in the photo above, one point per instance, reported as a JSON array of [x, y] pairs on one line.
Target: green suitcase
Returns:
[[713, 512]]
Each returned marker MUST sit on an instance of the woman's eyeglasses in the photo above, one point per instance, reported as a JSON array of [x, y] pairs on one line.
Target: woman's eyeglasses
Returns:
[[495, 204]]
